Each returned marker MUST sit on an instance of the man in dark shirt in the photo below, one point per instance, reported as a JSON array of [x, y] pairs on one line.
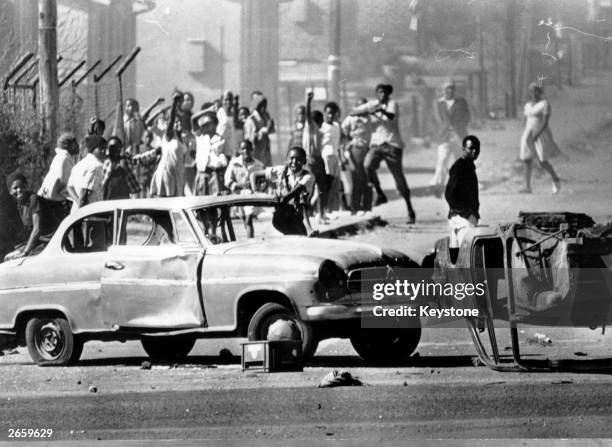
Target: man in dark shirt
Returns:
[[36, 217], [462, 192]]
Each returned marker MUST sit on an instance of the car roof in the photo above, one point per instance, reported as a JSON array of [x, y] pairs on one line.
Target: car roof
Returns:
[[170, 203]]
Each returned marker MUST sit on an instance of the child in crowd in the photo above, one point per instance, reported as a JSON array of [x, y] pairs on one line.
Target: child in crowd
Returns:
[[294, 186], [258, 127], [238, 180], [358, 129], [85, 181], [118, 182], [169, 178], [330, 151], [297, 132], [209, 158], [311, 142]]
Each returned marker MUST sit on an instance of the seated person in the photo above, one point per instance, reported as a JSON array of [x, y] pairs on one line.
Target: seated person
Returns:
[[37, 219]]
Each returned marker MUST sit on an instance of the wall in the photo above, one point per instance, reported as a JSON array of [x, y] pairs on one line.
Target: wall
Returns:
[[182, 43]]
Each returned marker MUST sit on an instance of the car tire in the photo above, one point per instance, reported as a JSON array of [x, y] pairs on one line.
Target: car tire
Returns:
[[50, 342], [386, 346], [168, 349], [269, 313]]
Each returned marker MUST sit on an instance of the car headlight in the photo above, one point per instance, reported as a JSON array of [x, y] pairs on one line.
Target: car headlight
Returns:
[[332, 280]]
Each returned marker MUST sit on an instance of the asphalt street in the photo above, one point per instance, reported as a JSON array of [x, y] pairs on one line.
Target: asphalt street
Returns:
[[368, 412]]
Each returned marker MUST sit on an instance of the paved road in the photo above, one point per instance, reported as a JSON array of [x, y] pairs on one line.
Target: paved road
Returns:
[[370, 412]]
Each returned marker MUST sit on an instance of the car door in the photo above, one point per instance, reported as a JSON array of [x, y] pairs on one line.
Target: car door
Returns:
[[149, 278]]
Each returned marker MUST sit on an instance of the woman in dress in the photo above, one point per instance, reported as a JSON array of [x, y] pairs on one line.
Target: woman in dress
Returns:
[[537, 140], [169, 177]]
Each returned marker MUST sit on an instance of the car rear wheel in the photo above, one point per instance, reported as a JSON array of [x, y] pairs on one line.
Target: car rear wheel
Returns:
[[386, 346], [168, 348], [272, 315], [50, 342]]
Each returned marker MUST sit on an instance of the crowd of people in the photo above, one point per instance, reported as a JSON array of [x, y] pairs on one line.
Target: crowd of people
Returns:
[[224, 147]]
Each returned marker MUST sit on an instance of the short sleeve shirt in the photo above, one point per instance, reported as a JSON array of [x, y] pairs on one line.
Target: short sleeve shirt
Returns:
[[385, 130], [238, 172], [59, 173], [87, 174], [209, 152], [284, 180]]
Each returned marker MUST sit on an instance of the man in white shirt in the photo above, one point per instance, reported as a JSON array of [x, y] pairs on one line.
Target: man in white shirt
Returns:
[[385, 144], [85, 182], [53, 187], [210, 159]]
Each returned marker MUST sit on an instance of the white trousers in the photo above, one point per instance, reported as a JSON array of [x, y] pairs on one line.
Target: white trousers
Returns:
[[458, 228]]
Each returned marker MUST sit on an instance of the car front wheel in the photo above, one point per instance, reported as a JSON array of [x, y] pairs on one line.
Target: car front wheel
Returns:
[[50, 342], [273, 321], [168, 348], [386, 346]]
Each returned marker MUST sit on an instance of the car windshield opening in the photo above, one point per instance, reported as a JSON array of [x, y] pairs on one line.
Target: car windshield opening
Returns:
[[241, 222]]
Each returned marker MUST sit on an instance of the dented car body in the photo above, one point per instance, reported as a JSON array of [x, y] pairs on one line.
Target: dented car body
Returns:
[[168, 271]]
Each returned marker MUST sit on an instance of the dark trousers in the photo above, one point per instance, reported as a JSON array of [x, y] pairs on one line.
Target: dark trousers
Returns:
[[361, 195], [393, 157]]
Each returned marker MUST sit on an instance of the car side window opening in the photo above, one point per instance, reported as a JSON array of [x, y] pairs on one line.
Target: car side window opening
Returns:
[[216, 224], [227, 223], [89, 235], [182, 230], [148, 228]]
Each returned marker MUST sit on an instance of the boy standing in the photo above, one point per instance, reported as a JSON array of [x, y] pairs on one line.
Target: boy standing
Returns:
[[462, 194], [85, 182]]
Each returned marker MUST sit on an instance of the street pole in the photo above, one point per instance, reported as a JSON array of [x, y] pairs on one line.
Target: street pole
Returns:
[[333, 61], [47, 68], [511, 39]]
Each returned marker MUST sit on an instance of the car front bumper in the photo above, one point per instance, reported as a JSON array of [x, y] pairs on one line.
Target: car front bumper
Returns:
[[325, 312]]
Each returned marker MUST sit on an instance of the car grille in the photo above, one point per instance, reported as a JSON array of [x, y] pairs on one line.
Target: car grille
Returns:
[[362, 279]]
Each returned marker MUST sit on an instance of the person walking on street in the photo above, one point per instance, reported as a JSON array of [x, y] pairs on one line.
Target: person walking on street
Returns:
[[537, 139], [454, 114], [385, 144]]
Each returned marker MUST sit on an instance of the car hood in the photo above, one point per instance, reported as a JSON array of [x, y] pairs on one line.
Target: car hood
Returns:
[[346, 254]]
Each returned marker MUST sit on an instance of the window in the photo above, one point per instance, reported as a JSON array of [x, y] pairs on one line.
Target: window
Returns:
[[223, 224], [89, 235], [150, 228], [182, 230]]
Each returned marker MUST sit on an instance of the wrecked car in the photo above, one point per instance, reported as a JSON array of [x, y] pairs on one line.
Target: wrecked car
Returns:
[[169, 271], [547, 269]]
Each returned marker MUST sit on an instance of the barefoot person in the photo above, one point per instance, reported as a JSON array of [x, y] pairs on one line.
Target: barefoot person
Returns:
[[537, 140]]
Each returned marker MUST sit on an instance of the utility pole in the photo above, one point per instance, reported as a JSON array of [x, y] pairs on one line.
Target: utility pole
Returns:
[[333, 61], [47, 68], [511, 39]]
